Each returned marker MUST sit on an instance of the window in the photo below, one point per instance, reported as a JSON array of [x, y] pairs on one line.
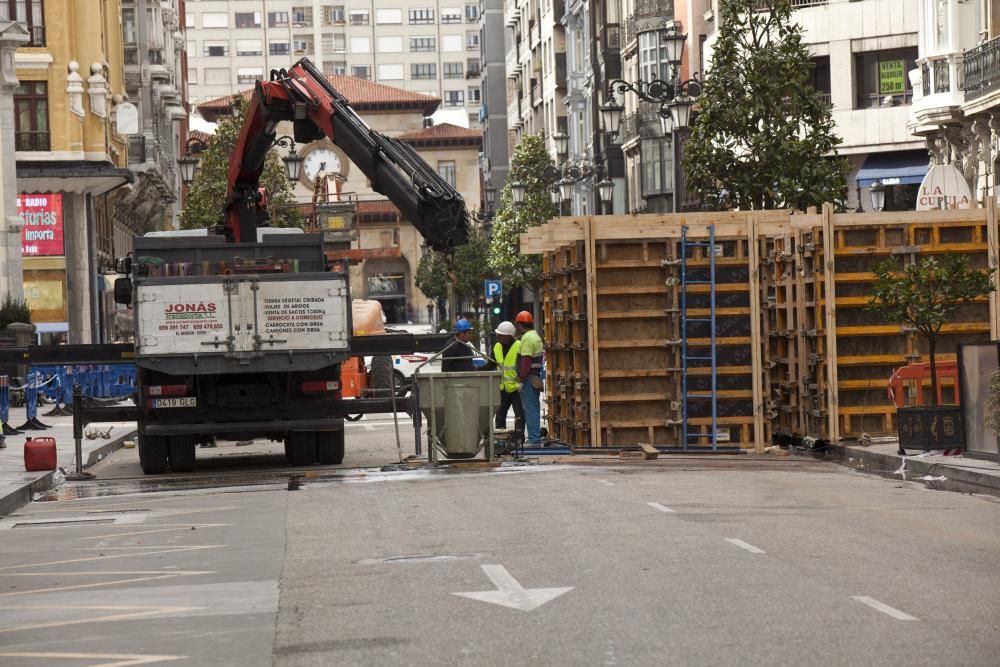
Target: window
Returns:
[[31, 116], [334, 15], [821, 77], [474, 94], [30, 12], [301, 46], [358, 16], [390, 72], [653, 62], [473, 119], [423, 71], [882, 77], [422, 44], [302, 17], [446, 169], [657, 167], [471, 13], [214, 20], [361, 71], [193, 75], [247, 75], [388, 16], [454, 98], [188, 20], [215, 49], [277, 19], [217, 75], [386, 284], [389, 44], [421, 16], [451, 42], [278, 48], [129, 34], [472, 68], [472, 41], [249, 47], [361, 45], [247, 19], [334, 43], [338, 67], [453, 71], [451, 15]]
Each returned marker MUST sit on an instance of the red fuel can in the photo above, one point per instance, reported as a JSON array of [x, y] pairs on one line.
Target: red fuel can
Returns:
[[40, 454]]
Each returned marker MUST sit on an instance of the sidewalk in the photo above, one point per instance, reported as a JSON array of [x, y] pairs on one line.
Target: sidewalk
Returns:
[[947, 473], [17, 487]]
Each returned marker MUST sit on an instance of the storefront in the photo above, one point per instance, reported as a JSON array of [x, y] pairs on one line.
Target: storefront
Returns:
[[44, 258]]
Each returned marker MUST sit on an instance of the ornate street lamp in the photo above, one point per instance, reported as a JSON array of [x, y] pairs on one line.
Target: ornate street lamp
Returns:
[[565, 188], [878, 196], [293, 163], [555, 195], [611, 115], [561, 140], [606, 188], [188, 164], [517, 192]]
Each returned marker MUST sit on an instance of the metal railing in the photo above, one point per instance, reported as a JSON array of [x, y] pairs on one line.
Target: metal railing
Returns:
[[37, 35], [982, 69], [136, 149], [31, 141]]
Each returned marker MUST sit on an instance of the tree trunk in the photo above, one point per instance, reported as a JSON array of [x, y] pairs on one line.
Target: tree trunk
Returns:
[[931, 345]]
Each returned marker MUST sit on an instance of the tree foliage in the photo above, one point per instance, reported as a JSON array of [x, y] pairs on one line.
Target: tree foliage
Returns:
[[926, 295], [763, 138], [14, 310], [527, 166], [207, 194], [469, 265]]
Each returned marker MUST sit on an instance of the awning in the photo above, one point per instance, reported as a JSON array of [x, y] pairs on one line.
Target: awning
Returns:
[[894, 168], [79, 177]]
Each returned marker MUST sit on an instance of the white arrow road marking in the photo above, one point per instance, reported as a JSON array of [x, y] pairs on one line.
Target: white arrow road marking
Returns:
[[662, 508], [512, 594], [884, 608], [743, 545]]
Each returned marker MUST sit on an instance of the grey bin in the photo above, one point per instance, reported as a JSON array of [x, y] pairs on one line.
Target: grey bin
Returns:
[[459, 408]]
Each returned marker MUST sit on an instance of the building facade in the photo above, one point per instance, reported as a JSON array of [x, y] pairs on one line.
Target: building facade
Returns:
[[385, 249], [427, 47], [493, 112], [69, 158]]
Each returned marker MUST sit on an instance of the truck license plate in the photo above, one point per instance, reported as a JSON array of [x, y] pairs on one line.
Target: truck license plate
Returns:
[[188, 402]]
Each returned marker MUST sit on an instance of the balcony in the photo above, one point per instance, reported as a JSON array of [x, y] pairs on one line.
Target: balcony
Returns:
[[31, 141], [136, 149], [982, 69], [37, 37]]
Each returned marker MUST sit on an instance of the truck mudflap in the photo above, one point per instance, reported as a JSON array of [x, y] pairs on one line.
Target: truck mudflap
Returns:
[[273, 426]]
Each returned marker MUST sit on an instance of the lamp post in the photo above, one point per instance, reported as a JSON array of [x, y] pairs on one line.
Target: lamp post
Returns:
[[878, 196], [676, 97], [188, 163]]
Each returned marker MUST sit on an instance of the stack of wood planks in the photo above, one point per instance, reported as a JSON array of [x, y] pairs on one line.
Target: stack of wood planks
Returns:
[[797, 348]]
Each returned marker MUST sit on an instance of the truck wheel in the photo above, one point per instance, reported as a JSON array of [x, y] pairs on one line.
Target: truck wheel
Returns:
[[330, 447], [383, 379], [152, 454], [181, 449], [300, 448]]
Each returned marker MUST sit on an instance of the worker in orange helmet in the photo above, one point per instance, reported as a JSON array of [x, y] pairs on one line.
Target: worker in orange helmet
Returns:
[[529, 373]]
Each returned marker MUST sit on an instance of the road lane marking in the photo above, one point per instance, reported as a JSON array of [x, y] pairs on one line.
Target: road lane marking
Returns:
[[510, 593], [139, 551], [884, 608], [186, 526], [743, 545], [662, 508], [122, 518], [98, 573], [120, 659], [605, 482], [133, 613]]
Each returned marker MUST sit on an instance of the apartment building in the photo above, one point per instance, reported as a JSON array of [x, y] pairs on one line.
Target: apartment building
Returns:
[[493, 111], [430, 47], [956, 98]]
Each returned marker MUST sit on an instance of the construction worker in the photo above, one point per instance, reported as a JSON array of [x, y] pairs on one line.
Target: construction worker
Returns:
[[505, 354], [529, 372], [457, 355]]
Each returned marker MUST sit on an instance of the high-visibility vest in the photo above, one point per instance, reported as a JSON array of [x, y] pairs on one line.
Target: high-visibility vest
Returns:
[[508, 364]]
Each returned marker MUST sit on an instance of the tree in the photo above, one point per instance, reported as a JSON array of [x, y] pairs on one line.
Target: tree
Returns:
[[925, 296], [528, 166], [469, 265], [208, 192], [763, 138]]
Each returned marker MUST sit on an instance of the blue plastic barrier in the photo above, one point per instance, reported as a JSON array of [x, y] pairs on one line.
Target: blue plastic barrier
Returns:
[[5, 402]]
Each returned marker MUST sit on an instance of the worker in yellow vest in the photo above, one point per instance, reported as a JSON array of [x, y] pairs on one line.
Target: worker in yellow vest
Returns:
[[505, 354]]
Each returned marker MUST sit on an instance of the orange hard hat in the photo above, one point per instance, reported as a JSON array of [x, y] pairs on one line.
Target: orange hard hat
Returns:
[[524, 317]]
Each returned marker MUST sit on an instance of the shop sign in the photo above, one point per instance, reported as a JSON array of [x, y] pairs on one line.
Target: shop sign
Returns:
[[944, 187], [42, 224], [891, 77]]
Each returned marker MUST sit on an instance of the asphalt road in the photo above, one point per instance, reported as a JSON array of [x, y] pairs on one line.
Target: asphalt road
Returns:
[[674, 563]]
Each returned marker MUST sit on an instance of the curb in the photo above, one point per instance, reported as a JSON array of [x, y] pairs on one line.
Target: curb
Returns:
[[958, 479], [22, 496]]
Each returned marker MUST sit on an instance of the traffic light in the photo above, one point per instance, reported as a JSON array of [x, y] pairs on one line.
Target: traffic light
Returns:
[[496, 309]]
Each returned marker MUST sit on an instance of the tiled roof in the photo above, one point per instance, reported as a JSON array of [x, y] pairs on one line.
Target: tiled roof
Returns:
[[444, 134], [362, 94], [203, 137]]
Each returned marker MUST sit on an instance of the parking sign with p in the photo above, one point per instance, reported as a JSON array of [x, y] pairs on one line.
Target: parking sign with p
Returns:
[[494, 288]]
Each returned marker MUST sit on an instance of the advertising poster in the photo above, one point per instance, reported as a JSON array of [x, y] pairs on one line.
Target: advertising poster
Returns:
[[42, 217]]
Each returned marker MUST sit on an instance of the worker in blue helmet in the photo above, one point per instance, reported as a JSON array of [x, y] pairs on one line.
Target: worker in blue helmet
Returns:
[[458, 353]]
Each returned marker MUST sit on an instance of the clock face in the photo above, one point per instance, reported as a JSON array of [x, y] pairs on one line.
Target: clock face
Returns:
[[318, 160]]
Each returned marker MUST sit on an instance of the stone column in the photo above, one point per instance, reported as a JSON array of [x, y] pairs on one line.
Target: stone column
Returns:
[[12, 35], [79, 273]]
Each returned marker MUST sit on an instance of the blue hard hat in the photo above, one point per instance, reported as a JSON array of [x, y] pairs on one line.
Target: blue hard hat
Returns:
[[462, 326]]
